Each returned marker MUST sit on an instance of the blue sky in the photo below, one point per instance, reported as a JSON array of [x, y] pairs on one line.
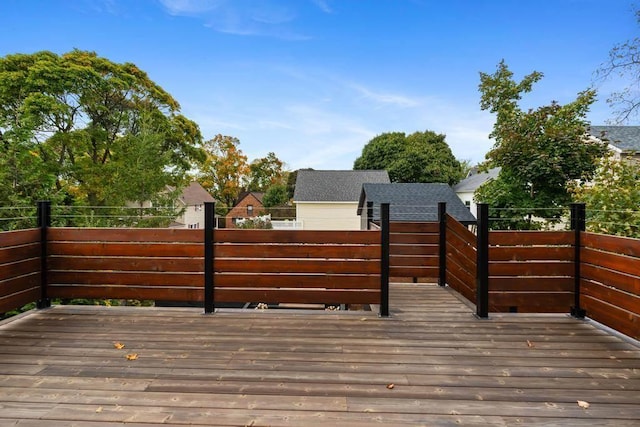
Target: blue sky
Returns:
[[315, 80]]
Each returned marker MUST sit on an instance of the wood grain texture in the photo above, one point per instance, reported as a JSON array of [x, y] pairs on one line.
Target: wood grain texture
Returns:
[[59, 367]]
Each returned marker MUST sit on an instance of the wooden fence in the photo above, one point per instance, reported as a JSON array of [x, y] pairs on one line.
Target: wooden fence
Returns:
[[610, 281], [297, 266], [114, 263], [413, 251], [528, 271], [461, 261], [531, 271], [20, 265]]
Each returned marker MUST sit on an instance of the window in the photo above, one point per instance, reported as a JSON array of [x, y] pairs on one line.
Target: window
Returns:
[[249, 210], [467, 203], [198, 208], [196, 225]]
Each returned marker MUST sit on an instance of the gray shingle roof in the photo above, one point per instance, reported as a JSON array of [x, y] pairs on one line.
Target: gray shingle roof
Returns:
[[472, 182], [334, 185], [413, 202], [626, 138], [195, 194]]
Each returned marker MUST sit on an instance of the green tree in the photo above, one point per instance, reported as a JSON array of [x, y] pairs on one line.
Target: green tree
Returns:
[[612, 198], [276, 195], [540, 151], [419, 157], [624, 62], [225, 169], [77, 121], [265, 172]]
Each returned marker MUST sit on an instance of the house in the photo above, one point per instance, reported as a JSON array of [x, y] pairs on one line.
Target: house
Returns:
[[624, 141], [411, 202], [328, 199], [192, 200], [466, 188], [249, 205]]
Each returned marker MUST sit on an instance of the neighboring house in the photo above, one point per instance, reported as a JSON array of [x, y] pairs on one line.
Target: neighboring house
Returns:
[[466, 188], [328, 199], [624, 141], [417, 202], [249, 205], [192, 199]]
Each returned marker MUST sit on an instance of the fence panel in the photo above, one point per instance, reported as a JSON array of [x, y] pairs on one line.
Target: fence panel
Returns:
[[413, 251], [19, 268], [278, 266], [610, 285], [531, 271], [144, 264], [461, 259]]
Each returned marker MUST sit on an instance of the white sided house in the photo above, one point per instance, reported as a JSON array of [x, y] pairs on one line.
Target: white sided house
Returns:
[[466, 188], [328, 199], [192, 199]]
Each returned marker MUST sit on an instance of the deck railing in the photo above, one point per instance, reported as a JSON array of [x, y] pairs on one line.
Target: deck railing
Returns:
[[206, 266], [519, 271]]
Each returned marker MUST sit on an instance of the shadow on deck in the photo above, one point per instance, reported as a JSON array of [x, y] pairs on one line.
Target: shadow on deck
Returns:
[[431, 363]]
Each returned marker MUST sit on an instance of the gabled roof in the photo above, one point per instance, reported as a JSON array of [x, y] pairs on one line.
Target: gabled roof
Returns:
[[256, 194], [334, 185], [413, 202], [195, 194], [475, 180], [624, 138]]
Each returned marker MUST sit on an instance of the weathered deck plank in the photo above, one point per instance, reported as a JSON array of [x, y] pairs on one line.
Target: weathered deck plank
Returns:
[[60, 367]]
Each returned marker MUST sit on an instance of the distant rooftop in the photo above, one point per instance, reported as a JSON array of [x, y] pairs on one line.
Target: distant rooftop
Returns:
[[334, 185], [475, 180], [413, 201], [195, 194], [625, 138]]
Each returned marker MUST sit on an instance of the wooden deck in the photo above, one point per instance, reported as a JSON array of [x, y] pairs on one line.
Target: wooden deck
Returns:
[[431, 363]]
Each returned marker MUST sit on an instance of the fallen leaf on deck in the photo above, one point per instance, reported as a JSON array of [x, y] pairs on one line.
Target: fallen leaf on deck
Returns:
[[529, 344], [118, 345], [99, 409], [583, 404], [132, 356], [391, 386]]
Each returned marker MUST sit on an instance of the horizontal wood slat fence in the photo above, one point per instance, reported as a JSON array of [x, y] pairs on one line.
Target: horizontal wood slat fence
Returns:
[[610, 281], [20, 277], [519, 271], [297, 266], [413, 251], [461, 262], [531, 271]]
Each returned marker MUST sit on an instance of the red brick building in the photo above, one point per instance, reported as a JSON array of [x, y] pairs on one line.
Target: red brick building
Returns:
[[249, 205]]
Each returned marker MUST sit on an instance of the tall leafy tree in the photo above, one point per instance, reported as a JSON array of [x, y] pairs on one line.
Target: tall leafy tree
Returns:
[[96, 130], [265, 172], [225, 169], [624, 62], [419, 157], [612, 198], [540, 151]]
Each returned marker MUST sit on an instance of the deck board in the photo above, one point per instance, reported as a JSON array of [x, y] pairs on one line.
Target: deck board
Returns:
[[285, 367]]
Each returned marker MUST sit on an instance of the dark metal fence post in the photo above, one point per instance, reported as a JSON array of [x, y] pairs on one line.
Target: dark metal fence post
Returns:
[[44, 222], [442, 220], [369, 214], [482, 272], [384, 271], [209, 223], [578, 220]]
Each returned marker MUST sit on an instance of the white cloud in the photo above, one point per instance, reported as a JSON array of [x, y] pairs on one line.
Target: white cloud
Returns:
[[190, 7], [269, 18], [385, 98], [323, 5]]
